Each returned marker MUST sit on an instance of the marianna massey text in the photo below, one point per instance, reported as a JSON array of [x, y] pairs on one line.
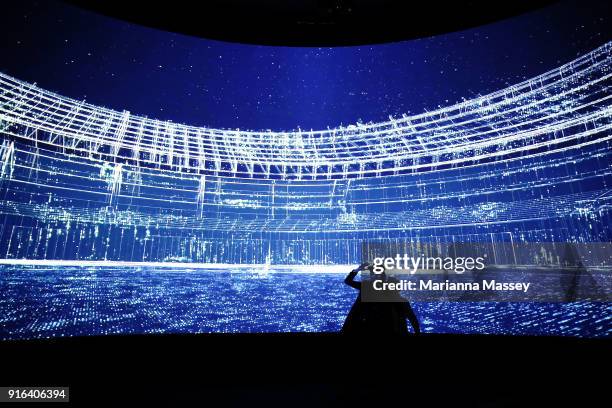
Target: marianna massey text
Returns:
[[447, 285]]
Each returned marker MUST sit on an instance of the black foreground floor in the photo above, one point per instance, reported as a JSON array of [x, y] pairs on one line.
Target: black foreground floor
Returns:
[[315, 370]]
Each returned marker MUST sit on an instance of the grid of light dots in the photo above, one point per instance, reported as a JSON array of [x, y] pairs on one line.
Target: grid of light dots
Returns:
[[529, 162]]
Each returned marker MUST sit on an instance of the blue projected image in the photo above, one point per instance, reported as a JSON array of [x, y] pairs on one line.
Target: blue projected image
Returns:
[[157, 183]]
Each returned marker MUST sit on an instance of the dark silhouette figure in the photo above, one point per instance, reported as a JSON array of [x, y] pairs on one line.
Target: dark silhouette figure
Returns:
[[570, 281], [383, 312]]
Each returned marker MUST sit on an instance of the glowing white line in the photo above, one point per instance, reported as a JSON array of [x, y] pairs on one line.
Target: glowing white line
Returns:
[[207, 267]]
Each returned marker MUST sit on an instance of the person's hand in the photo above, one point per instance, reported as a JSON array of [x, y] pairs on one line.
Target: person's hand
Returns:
[[360, 267]]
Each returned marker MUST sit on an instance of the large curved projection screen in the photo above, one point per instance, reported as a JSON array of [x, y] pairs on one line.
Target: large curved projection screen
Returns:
[[528, 163]]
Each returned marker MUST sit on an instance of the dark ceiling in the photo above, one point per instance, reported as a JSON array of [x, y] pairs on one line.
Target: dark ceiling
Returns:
[[311, 22]]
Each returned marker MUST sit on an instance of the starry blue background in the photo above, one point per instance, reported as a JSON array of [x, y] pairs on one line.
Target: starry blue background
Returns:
[[191, 80]]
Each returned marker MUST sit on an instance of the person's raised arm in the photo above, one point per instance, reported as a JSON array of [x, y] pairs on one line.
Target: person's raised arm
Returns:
[[350, 278]]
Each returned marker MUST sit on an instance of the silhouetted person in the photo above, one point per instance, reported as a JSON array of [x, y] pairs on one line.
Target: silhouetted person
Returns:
[[383, 312], [574, 269]]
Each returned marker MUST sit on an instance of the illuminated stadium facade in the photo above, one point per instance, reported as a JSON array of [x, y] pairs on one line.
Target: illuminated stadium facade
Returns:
[[529, 163]]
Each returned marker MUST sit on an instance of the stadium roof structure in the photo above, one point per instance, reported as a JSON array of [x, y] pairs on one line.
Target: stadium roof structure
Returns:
[[569, 102]]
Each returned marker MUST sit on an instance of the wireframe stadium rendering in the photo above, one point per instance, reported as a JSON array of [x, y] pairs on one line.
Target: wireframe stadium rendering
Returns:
[[86, 186], [331, 202], [529, 163]]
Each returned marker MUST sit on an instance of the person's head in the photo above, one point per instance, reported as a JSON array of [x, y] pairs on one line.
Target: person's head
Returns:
[[377, 276]]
